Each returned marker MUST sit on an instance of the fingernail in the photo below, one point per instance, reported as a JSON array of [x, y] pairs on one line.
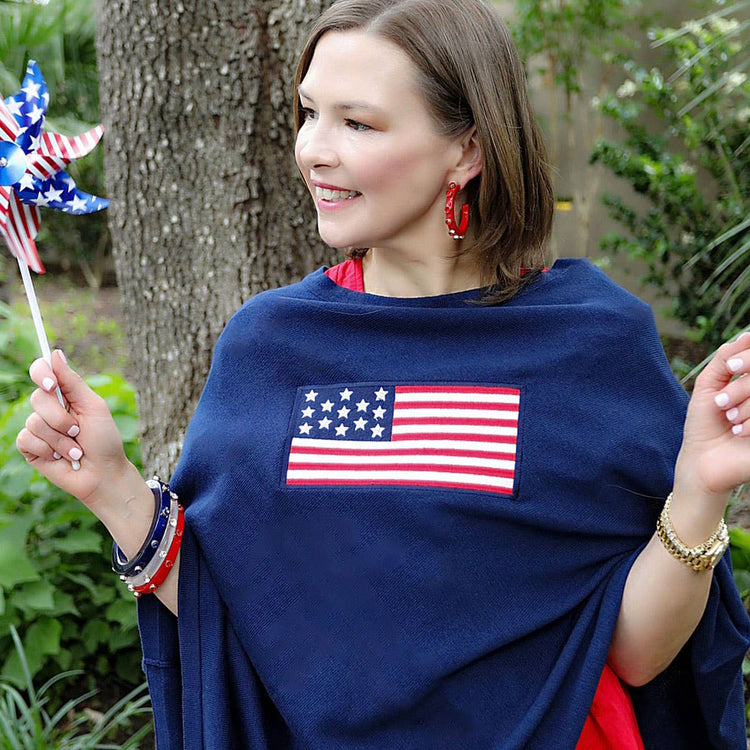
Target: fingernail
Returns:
[[737, 429], [48, 384], [62, 356], [732, 414], [75, 465], [735, 365], [743, 335], [56, 455], [721, 400], [75, 453], [74, 430]]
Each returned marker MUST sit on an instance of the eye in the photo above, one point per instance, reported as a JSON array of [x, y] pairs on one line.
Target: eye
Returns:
[[360, 126], [307, 114]]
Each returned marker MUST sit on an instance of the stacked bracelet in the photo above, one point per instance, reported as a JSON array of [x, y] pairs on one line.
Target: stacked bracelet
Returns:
[[162, 498], [150, 566], [704, 556]]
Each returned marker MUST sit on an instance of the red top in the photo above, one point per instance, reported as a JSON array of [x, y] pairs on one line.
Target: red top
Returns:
[[611, 721]]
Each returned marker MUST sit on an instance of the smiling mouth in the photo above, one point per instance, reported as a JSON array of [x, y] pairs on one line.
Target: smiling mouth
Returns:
[[335, 195]]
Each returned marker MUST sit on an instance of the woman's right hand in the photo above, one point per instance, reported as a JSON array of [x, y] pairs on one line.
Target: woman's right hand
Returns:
[[55, 437], [106, 482]]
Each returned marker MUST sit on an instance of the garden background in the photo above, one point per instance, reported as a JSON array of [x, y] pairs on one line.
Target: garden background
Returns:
[[646, 107]]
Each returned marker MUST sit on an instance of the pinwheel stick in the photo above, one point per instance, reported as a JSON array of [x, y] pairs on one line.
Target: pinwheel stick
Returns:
[[41, 334]]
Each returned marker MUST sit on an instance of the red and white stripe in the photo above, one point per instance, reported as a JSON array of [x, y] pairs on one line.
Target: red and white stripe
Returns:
[[19, 224], [8, 125], [442, 436], [57, 151]]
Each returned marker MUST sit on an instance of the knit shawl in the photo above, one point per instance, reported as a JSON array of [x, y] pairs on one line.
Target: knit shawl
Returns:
[[333, 599]]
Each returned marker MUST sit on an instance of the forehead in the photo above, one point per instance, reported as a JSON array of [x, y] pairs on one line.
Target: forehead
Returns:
[[361, 66]]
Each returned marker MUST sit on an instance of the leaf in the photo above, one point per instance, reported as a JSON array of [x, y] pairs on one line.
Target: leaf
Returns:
[[94, 633], [34, 597], [42, 640], [64, 604], [15, 565], [44, 637], [122, 611], [79, 541]]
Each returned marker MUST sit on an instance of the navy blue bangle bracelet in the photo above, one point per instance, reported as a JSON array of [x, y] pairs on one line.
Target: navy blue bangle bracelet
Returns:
[[162, 501]]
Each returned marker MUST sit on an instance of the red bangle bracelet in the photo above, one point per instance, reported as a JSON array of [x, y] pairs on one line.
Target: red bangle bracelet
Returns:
[[166, 567]]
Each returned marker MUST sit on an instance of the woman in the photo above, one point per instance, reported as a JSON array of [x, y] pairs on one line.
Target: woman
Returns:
[[422, 487]]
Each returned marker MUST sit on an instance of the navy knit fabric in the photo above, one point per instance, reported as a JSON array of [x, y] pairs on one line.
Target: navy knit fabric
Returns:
[[418, 617]]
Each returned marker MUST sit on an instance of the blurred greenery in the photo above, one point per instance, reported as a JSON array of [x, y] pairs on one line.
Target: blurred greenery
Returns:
[[56, 586], [28, 720]]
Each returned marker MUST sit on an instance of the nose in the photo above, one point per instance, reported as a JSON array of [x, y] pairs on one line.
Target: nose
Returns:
[[315, 147]]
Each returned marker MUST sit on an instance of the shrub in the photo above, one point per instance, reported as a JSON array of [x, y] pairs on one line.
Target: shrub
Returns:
[[693, 169], [56, 586], [28, 721]]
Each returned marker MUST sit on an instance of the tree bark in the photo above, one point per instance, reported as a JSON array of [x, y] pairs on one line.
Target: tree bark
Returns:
[[207, 207]]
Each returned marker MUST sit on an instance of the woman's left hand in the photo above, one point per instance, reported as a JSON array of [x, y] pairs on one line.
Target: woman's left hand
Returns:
[[715, 453]]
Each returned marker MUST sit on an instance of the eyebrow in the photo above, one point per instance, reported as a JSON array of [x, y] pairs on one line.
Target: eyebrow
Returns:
[[344, 106]]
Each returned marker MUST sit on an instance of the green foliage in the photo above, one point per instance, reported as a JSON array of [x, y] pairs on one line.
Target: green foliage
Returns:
[[55, 583], [571, 33], [27, 723], [693, 169], [60, 36]]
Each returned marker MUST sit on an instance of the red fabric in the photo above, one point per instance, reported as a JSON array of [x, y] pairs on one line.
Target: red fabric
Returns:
[[348, 274], [611, 723]]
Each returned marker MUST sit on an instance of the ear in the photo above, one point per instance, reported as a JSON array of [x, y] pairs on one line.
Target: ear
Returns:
[[469, 164]]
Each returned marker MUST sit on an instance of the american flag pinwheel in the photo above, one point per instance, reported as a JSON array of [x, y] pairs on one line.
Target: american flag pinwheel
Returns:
[[31, 168]]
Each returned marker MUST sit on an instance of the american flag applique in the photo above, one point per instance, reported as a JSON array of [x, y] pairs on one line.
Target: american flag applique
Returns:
[[455, 436]]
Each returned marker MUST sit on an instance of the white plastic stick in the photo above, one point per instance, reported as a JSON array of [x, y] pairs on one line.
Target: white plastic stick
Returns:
[[41, 334]]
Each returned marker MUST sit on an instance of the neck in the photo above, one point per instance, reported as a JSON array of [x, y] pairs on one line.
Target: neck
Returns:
[[390, 274]]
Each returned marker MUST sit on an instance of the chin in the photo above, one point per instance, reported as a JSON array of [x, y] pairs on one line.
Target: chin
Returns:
[[338, 240]]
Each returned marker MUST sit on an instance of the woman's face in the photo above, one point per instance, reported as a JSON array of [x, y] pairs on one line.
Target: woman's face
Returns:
[[369, 150]]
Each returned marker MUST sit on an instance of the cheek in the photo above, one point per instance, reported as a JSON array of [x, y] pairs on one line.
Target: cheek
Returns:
[[394, 169]]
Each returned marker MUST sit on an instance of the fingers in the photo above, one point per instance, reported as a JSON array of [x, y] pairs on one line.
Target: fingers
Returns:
[[53, 416], [733, 398], [51, 411], [57, 443], [730, 360], [33, 448], [734, 401], [72, 385]]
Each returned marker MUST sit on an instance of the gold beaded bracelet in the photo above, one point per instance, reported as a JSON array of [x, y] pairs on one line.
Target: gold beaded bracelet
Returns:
[[703, 557]]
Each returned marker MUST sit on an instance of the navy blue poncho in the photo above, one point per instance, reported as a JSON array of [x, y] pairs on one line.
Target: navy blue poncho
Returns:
[[410, 521]]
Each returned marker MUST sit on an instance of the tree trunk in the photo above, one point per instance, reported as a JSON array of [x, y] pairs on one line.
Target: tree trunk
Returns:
[[207, 207]]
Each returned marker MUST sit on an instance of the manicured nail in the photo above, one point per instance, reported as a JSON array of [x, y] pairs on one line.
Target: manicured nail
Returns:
[[732, 414], [75, 465], [75, 453], [737, 429], [721, 400], [56, 455], [48, 384], [735, 365], [62, 356], [74, 430]]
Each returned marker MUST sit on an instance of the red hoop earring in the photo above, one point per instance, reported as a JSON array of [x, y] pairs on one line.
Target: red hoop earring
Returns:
[[456, 231]]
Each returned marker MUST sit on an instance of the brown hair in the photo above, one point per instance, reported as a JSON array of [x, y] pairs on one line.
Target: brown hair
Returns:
[[470, 74]]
